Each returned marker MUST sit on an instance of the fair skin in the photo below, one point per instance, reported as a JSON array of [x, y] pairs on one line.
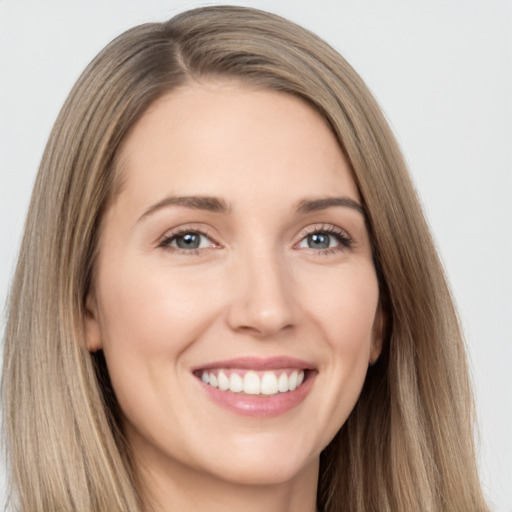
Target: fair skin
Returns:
[[267, 271]]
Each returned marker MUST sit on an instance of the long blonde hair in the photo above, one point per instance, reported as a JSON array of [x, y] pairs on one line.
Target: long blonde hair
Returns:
[[408, 444]]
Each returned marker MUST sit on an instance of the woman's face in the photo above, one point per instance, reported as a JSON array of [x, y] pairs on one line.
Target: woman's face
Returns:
[[235, 298]]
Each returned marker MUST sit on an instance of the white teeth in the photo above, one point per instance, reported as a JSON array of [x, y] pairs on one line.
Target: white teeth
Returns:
[[292, 380], [223, 381], [282, 383], [213, 380], [252, 383], [236, 384], [269, 384]]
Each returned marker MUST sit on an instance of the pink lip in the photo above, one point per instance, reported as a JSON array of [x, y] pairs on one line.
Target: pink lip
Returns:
[[258, 364], [263, 406]]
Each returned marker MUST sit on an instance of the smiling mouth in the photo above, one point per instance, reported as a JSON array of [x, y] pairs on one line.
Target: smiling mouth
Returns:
[[251, 382], [257, 387]]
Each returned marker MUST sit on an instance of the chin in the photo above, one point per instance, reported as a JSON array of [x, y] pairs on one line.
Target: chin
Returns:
[[270, 466], [265, 474]]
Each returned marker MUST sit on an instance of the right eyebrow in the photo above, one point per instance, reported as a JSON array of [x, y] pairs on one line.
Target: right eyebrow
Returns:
[[323, 203], [208, 203]]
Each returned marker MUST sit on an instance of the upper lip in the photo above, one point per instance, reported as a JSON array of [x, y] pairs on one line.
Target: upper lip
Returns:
[[258, 363]]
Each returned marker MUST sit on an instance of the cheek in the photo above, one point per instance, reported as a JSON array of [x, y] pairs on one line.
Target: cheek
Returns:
[[148, 318], [345, 312], [353, 322], [344, 307], [150, 311]]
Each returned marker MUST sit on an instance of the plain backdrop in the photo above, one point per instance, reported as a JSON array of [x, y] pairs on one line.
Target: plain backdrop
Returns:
[[442, 72]]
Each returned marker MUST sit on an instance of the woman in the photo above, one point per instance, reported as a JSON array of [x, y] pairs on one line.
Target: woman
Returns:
[[227, 294]]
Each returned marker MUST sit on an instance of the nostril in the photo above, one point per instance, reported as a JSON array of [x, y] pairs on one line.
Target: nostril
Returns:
[[264, 330]]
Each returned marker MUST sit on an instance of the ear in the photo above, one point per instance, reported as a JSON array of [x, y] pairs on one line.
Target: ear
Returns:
[[92, 325], [377, 335]]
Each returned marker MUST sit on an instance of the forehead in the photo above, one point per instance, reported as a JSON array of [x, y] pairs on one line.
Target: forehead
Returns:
[[233, 141]]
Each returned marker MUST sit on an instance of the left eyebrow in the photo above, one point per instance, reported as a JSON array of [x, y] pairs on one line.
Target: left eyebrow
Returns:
[[315, 205]]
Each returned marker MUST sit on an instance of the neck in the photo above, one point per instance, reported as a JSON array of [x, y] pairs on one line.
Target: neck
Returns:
[[180, 488]]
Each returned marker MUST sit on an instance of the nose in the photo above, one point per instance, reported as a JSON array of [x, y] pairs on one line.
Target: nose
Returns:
[[263, 302]]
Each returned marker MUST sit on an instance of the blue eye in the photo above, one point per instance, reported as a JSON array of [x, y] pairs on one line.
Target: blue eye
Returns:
[[320, 241], [326, 239], [187, 240]]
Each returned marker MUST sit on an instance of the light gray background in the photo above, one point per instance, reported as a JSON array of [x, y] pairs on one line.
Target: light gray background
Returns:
[[442, 71]]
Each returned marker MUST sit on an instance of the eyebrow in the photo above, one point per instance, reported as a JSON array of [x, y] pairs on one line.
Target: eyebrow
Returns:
[[315, 205], [217, 205], [208, 203]]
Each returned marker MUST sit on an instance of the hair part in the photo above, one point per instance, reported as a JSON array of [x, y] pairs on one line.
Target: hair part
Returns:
[[408, 444]]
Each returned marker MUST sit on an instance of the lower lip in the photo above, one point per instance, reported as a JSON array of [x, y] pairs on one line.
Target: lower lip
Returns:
[[264, 406]]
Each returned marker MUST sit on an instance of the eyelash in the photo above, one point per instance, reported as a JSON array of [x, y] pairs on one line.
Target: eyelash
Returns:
[[342, 237], [168, 239]]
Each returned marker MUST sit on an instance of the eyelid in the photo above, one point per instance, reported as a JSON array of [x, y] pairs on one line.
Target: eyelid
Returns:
[[346, 241], [344, 238], [164, 241]]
